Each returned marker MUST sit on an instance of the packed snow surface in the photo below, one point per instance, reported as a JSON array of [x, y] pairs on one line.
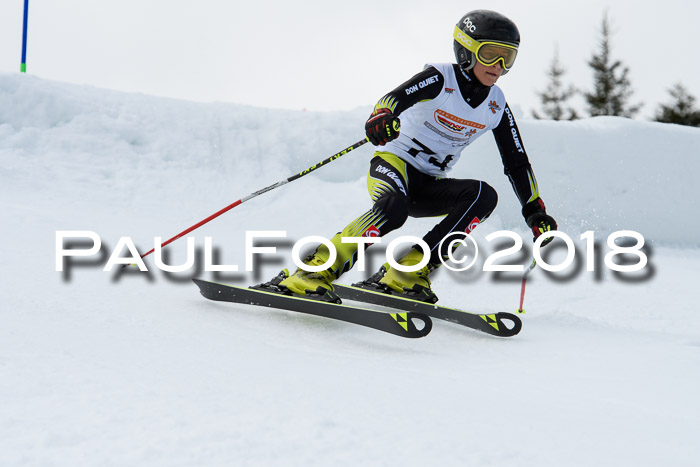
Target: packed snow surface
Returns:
[[136, 368]]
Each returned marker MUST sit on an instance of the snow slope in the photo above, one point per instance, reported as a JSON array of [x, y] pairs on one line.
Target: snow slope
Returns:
[[129, 368]]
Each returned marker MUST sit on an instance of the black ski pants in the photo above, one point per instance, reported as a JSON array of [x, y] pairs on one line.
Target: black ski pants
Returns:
[[399, 190]]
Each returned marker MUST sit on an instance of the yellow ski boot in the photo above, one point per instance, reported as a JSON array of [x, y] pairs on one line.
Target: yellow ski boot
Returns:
[[319, 285], [314, 284], [414, 285]]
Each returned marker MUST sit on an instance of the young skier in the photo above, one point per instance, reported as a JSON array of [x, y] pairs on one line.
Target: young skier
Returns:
[[443, 109]]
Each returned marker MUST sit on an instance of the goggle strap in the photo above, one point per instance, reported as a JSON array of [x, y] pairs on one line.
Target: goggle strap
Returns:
[[466, 41]]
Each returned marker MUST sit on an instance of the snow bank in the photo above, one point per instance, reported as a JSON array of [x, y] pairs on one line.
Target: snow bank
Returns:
[[130, 151]]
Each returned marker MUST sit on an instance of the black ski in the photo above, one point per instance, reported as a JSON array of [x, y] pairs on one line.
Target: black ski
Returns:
[[400, 324], [489, 323]]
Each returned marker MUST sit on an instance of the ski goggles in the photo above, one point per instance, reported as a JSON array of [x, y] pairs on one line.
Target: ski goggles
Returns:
[[488, 53]]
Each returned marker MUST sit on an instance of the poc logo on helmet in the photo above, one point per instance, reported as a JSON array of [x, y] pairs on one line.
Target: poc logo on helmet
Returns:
[[464, 39], [471, 27]]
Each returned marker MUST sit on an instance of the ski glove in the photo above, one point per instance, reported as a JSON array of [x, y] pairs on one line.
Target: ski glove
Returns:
[[538, 220], [382, 127]]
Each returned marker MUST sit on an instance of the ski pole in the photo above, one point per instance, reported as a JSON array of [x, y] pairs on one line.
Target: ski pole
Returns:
[[522, 286], [258, 193]]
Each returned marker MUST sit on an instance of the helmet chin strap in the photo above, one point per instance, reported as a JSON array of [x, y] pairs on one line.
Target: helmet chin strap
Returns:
[[465, 73], [471, 78], [464, 56], [463, 67]]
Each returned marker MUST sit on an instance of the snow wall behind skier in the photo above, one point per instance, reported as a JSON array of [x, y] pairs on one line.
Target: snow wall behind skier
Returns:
[[136, 153]]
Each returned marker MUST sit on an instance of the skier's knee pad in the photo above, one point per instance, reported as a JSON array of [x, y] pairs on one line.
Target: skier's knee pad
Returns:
[[394, 208]]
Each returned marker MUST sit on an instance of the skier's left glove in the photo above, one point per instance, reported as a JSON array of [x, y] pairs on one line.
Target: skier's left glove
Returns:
[[381, 127], [538, 220]]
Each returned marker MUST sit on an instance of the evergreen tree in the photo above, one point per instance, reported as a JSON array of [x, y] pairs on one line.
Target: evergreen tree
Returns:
[[612, 88], [682, 111], [554, 97]]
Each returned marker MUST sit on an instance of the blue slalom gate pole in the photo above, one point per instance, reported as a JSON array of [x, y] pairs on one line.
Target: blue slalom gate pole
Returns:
[[23, 65]]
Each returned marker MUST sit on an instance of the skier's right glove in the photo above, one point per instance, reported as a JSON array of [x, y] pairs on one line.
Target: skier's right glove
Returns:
[[382, 127], [538, 220]]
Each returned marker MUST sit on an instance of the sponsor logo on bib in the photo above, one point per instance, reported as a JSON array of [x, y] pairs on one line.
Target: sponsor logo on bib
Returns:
[[454, 123]]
